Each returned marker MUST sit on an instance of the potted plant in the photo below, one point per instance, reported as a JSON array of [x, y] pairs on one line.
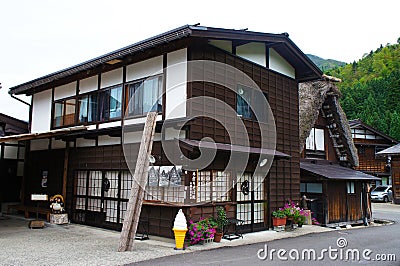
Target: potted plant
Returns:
[[278, 218], [221, 221], [301, 217], [201, 231]]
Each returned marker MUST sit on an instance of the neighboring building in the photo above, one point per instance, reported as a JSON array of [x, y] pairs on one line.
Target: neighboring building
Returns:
[[328, 156], [368, 142], [76, 127], [392, 154], [11, 160]]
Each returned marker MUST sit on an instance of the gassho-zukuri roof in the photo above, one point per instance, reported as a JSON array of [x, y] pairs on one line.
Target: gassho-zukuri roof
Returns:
[[312, 96], [394, 150], [305, 69]]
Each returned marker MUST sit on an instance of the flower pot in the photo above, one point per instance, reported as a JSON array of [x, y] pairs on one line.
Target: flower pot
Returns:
[[278, 221], [217, 237], [289, 223]]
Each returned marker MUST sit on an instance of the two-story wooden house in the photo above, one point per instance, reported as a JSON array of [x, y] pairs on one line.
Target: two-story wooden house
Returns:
[[368, 142], [338, 193], [77, 123], [11, 160]]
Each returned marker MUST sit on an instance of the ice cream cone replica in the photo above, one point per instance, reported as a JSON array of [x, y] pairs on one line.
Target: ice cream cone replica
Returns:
[[179, 238], [180, 229]]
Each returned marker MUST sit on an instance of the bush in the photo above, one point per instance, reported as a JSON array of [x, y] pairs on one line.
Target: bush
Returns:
[[279, 214], [290, 210], [221, 220], [201, 230]]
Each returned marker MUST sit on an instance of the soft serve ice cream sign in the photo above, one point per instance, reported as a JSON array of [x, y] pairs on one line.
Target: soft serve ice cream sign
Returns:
[[180, 229]]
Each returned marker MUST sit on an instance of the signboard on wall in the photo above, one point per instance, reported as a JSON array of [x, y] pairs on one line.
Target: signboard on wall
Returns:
[[44, 178], [39, 197], [165, 176]]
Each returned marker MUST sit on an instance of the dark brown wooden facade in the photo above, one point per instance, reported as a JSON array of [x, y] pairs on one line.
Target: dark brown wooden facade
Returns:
[[283, 181], [392, 154], [368, 142], [335, 204], [11, 160], [395, 164]]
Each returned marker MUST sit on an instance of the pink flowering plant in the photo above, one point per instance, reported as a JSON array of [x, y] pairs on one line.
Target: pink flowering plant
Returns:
[[291, 210], [201, 230], [315, 221]]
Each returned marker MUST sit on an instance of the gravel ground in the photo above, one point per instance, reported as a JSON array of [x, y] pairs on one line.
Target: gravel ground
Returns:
[[75, 244]]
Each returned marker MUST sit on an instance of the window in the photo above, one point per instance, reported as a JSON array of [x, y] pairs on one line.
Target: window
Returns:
[[210, 186], [64, 112], [110, 103], [144, 96], [350, 187], [250, 102], [243, 102], [311, 187], [361, 150], [87, 108], [315, 140], [106, 105]]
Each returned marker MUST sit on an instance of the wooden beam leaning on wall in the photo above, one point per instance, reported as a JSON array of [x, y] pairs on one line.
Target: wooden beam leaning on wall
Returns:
[[131, 219]]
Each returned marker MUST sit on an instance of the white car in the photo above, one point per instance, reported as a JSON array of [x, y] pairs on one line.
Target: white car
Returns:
[[382, 193]]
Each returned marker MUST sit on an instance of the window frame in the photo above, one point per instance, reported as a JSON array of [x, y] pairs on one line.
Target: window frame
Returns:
[[88, 95], [160, 97], [64, 101], [100, 110], [351, 187], [313, 130], [251, 102]]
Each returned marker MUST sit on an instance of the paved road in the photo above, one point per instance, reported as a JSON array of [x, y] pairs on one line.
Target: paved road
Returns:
[[380, 240]]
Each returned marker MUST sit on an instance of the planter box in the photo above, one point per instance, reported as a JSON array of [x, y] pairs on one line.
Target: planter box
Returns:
[[278, 221], [59, 218], [208, 240]]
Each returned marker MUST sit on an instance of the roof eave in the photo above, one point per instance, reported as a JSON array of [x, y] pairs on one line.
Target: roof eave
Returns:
[[166, 37], [277, 40], [309, 71]]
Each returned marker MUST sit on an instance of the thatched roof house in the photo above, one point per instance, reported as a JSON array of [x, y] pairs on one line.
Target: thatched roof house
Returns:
[[323, 95], [327, 163]]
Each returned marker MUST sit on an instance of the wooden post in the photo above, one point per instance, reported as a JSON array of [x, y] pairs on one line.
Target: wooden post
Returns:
[[134, 207], [65, 172]]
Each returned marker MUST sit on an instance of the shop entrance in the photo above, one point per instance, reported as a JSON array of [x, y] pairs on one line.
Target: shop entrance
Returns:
[[100, 197], [251, 204]]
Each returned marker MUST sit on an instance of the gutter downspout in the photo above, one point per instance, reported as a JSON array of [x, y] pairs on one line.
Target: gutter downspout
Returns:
[[22, 101]]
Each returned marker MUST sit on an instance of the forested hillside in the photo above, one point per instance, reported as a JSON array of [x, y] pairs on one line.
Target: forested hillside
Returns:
[[371, 89], [325, 64]]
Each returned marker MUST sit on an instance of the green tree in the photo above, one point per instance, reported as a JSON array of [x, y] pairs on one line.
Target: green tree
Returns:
[[395, 126]]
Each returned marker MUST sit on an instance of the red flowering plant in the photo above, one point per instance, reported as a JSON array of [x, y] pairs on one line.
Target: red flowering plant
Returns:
[[201, 230], [315, 221]]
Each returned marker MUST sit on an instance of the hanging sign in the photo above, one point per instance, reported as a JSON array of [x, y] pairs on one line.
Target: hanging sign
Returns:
[[44, 178]]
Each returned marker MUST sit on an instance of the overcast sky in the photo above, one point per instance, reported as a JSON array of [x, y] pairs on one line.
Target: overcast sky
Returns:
[[40, 37]]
